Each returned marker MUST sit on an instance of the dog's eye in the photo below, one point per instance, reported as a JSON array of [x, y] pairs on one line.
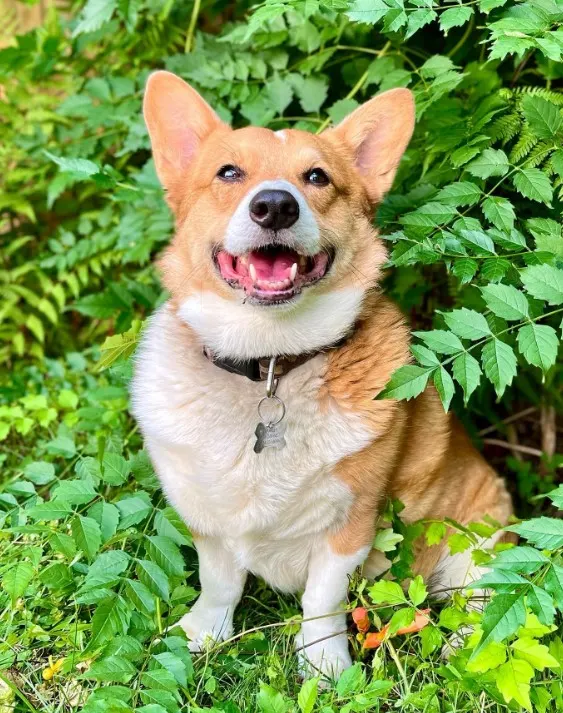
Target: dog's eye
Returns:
[[230, 173], [317, 177]]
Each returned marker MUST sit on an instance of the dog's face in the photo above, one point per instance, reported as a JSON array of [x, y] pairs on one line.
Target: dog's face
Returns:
[[267, 219]]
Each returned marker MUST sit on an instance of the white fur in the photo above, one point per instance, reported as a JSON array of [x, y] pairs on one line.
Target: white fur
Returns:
[[232, 328], [322, 643], [243, 234], [269, 509]]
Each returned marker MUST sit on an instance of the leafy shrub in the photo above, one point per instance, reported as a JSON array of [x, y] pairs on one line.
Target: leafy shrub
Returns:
[[94, 566]]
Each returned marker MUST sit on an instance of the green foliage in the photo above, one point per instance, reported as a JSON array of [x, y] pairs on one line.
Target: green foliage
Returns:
[[94, 566]]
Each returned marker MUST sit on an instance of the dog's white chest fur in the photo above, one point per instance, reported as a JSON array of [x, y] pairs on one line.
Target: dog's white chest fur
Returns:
[[199, 421]]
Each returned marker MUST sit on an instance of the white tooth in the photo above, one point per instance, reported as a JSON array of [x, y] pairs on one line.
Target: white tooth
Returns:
[[252, 271], [293, 272], [243, 259]]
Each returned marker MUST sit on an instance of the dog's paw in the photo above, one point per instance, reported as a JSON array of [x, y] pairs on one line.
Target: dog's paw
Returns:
[[205, 626], [327, 658]]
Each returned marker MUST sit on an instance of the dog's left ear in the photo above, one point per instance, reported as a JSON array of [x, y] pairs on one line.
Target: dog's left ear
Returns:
[[379, 132]]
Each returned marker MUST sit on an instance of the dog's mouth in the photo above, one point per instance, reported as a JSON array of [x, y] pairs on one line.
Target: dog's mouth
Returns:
[[272, 274]]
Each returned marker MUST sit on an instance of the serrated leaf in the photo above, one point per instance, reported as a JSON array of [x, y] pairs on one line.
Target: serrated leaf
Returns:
[[386, 540], [50, 511], [506, 301], [39, 472], [307, 696], [501, 618], [544, 282], [424, 356], [112, 668], [467, 373], [465, 269], [153, 577], [534, 184], [87, 535], [429, 215], [513, 681], [544, 117], [107, 517], [140, 596], [467, 323], [553, 584], [539, 344], [499, 364], [435, 533], [269, 700], [16, 580], [280, 93], [417, 591], [478, 239], [367, 11], [521, 559], [115, 469], [166, 554], [455, 17], [544, 532], [462, 193], [110, 619], [441, 341], [386, 592], [94, 15], [407, 382], [74, 492], [500, 212], [444, 386], [492, 162], [174, 665], [536, 654]]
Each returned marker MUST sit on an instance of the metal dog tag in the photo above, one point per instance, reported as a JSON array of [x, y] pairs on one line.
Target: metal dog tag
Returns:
[[269, 435]]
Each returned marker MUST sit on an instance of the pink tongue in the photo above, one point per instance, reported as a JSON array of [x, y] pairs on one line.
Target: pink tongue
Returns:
[[272, 266]]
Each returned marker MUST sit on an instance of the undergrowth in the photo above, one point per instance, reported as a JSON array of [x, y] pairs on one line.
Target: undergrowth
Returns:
[[95, 567]]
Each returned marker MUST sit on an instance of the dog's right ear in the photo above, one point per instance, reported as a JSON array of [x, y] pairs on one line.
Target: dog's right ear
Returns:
[[178, 119]]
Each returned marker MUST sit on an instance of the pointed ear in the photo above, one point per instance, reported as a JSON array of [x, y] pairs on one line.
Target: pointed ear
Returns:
[[379, 132], [178, 119]]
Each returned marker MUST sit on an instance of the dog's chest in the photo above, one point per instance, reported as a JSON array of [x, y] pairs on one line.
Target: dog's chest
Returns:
[[199, 424]]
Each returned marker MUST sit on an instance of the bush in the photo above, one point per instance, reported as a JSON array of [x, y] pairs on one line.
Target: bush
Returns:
[[94, 566]]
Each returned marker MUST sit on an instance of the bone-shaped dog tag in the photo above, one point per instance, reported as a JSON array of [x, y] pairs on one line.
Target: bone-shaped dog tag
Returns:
[[269, 435]]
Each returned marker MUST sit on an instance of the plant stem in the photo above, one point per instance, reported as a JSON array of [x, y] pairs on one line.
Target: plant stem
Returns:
[[191, 27]]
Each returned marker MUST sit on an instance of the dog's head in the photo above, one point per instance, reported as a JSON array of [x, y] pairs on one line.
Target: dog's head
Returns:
[[274, 247]]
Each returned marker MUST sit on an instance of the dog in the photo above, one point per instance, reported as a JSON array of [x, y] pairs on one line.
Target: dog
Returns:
[[255, 383]]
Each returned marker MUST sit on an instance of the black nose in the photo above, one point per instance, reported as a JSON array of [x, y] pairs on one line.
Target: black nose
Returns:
[[274, 209]]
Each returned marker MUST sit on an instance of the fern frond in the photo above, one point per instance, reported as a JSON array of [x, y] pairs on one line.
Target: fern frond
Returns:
[[538, 155], [505, 128], [549, 94], [526, 142]]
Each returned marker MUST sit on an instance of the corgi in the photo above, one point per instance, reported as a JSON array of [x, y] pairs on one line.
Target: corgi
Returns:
[[255, 383]]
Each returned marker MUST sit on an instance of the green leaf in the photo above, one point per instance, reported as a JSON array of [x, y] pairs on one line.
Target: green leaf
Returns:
[[478, 239], [455, 17], [120, 346], [506, 301], [407, 382], [533, 184], [501, 618], [115, 469], [435, 533], [112, 668], [74, 492], [499, 364], [269, 700], [418, 19], [174, 665], [79, 167], [386, 540], [386, 592], [467, 373], [39, 472], [520, 559], [140, 596], [544, 282], [463, 193], [492, 656], [367, 11], [50, 511], [541, 603], [400, 619], [467, 323], [539, 344], [492, 162], [133, 509], [94, 15], [417, 591], [465, 269], [352, 679], [160, 679], [280, 93], [110, 619], [430, 215], [544, 117], [312, 92], [444, 386], [307, 696], [544, 532], [169, 524], [500, 212], [424, 356], [440, 341], [152, 576], [166, 554], [87, 535], [536, 654], [553, 584], [16, 580], [513, 681], [107, 517]]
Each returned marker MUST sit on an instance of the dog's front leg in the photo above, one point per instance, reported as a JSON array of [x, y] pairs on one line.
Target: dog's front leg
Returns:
[[322, 643], [222, 582]]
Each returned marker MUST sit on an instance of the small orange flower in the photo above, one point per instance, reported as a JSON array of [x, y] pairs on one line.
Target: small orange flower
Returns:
[[361, 619]]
